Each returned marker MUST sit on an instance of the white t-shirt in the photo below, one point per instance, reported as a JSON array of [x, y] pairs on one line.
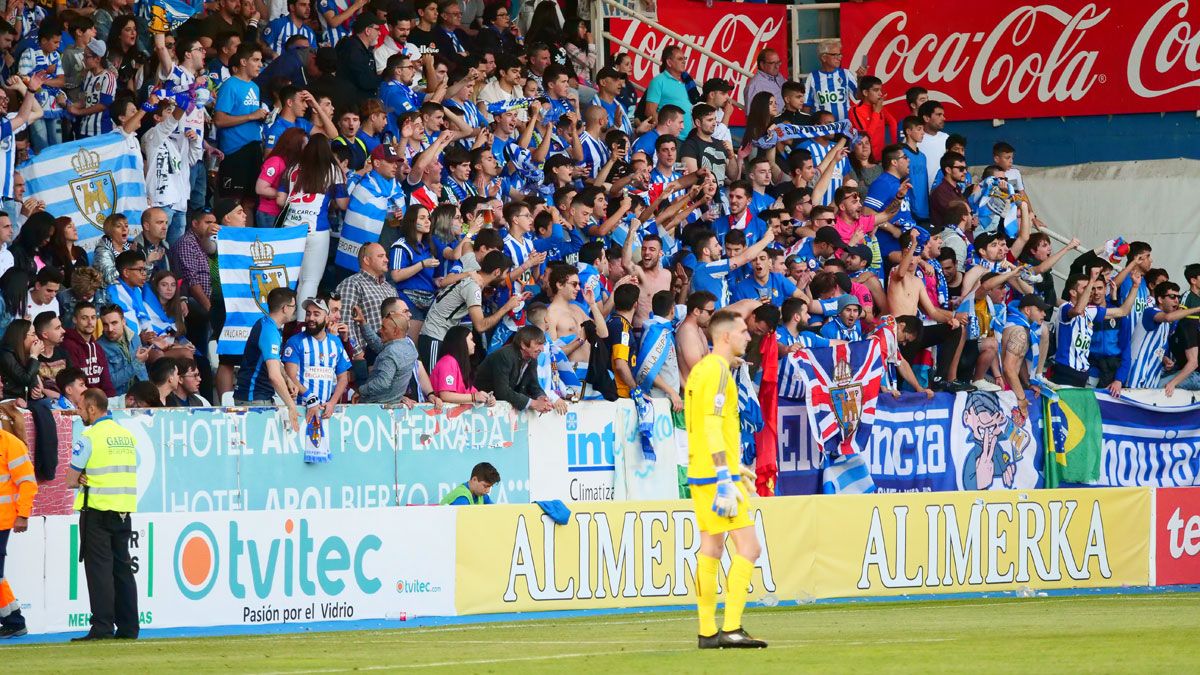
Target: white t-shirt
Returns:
[[32, 309], [933, 146], [167, 176]]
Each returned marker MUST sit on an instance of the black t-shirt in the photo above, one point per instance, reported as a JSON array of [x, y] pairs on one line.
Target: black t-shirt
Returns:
[[708, 155], [794, 117], [425, 40]]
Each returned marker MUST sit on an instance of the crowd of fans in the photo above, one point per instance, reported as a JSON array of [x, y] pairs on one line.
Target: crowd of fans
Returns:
[[531, 218]]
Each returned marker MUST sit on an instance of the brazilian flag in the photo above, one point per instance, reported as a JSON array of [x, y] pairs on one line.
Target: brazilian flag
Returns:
[[1073, 437]]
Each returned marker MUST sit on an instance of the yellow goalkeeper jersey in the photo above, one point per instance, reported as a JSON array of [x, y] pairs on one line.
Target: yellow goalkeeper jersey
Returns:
[[710, 413]]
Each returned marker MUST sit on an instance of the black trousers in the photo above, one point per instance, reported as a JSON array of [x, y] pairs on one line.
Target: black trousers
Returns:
[[937, 335], [112, 590]]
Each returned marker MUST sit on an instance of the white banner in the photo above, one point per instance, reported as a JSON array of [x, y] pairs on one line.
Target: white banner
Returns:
[[577, 457], [993, 446], [248, 568]]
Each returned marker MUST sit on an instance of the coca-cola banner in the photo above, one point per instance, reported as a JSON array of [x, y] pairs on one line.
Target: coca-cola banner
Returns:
[[736, 32], [1015, 59]]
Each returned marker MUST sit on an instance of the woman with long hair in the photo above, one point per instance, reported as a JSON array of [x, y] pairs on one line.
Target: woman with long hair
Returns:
[[168, 314], [315, 184], [413, 263], [545, 28], [14, 292], [19, 352], [865, 169], [123, 53], [450, 237], [762, 113], [62, 251], [285, 154], [35, 234], [581, 50], [453, 376], [628, 97]]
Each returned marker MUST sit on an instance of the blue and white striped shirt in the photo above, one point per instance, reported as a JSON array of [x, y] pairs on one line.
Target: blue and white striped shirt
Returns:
[[518, 250], [98, 89], [595, 153], [331, 35], [8, 155], [280, 30], [320, 361], [1147, 349], [833, 92], [839, 168]]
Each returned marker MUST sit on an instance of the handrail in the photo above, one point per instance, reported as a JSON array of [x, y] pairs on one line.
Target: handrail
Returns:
[[676, 36]]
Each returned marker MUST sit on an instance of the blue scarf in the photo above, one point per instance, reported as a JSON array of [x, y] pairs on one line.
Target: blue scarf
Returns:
[[658, 336], [779, 133], [160, 321]]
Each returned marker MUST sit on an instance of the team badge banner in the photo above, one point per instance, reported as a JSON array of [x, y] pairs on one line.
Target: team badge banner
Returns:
[[254, 261], [842, 384], [87, 181]]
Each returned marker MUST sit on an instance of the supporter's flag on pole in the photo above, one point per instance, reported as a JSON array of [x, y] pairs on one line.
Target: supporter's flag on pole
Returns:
[[1073, 437], [843, 384], [164, 16], [87, 181], [766, 440], [254, 261]]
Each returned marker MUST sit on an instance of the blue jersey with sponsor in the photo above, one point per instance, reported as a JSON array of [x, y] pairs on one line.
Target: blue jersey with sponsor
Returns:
[[320, 361], [264, 344]]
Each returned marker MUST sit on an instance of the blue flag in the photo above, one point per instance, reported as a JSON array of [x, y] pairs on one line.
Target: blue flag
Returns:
[[87, 181], [658, 339], [254, 261], [164, 16]]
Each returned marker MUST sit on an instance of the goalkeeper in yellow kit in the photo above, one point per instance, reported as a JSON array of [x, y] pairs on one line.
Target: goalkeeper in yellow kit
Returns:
[[718, 498]]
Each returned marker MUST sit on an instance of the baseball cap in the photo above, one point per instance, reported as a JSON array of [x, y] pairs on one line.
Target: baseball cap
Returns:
[[716, 84], [1034, 300], [384, 152], [847, 300], [223, 206], [863, 251], [319, 304], [97, 47], [610, 73], [829, 235]]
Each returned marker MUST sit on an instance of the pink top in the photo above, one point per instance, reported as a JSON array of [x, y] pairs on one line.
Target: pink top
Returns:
[[272, 172], [865, 223], [447, 376]]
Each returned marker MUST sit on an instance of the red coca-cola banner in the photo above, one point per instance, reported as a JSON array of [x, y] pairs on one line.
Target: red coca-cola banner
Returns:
[[734, 31], [1014, 59]]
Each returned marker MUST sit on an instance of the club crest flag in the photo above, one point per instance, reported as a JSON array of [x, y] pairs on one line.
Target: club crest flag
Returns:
[[87, 181], [842, 384], [254, 261], [164, 16]]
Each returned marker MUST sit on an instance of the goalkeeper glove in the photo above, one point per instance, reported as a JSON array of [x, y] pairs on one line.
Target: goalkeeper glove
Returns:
[[725, 504]]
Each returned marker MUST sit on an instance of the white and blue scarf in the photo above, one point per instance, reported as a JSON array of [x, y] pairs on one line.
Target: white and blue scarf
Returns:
[[779, 133]]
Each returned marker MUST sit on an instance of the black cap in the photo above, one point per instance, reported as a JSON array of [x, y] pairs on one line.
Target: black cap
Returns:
[[610, 73], [222, 207], [829, 235], [863, 251], [1034, 300], [716, 84]]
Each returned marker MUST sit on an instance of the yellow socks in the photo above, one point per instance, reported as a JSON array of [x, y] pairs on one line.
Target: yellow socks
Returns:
[[706, 593], [737, 587]]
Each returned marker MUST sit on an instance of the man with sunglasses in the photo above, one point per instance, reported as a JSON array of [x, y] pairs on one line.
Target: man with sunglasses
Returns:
[[1144, 361], [954, 165]]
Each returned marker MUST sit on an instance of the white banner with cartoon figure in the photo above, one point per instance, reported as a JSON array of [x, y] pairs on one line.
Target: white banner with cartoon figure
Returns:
[[994, 446]]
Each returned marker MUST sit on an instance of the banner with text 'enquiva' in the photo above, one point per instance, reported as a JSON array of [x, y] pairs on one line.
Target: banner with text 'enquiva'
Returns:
[[1018, 60]]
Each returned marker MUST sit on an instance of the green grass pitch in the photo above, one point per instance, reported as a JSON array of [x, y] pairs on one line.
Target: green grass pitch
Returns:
[[1108, 633]]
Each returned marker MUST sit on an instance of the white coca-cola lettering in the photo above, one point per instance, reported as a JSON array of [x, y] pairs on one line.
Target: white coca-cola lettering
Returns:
[[735, 37], [1180, 41], [1006, 64]]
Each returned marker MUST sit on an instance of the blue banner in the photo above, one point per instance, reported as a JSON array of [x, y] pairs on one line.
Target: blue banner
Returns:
[[947, 443], [206, 459], [1146, 445]]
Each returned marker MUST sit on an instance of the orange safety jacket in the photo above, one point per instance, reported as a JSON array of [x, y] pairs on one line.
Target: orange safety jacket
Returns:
[[18, 485]]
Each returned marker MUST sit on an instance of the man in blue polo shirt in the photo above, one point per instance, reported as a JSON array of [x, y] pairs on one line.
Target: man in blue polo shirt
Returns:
[[711, 272], [764, 283], [261, 375], [668, 87]]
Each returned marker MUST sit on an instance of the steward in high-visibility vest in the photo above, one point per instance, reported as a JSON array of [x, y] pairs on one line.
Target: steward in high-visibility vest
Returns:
[[104, 463], [18, 486]]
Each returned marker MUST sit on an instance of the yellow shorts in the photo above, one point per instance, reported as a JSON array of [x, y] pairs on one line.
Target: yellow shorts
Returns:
[[707, 519]]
